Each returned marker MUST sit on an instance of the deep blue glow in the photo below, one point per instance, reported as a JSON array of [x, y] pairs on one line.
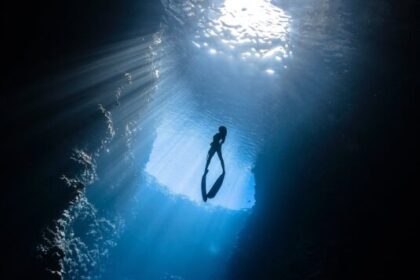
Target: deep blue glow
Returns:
[[162, 98]]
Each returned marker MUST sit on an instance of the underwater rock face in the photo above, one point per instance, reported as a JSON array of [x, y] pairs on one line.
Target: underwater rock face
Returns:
[[78, 242], [314, 128], [75, 244]]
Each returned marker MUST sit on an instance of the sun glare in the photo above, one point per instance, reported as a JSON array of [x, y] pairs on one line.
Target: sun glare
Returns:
[[249, 29]]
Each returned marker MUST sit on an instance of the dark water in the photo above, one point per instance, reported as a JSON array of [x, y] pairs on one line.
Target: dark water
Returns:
[[112, 115]]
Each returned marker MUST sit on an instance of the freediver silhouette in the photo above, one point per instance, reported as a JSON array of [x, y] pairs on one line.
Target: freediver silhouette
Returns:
[[215, 147]]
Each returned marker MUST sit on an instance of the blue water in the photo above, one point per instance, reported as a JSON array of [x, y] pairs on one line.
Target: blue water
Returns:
[[259, 67]]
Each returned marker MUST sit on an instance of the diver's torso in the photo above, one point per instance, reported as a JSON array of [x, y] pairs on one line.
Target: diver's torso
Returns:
[[216, 140]]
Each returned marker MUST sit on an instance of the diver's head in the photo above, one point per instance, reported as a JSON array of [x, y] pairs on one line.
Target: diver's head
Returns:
[[222, 130]]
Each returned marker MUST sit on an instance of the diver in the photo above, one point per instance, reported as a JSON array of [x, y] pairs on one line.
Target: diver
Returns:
[[216, 147]]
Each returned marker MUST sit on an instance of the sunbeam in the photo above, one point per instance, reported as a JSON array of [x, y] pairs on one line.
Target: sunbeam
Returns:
[[145, 112]]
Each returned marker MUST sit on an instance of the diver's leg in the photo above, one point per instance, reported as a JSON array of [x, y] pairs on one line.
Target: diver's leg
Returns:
[[209, 156], [219, 154]]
